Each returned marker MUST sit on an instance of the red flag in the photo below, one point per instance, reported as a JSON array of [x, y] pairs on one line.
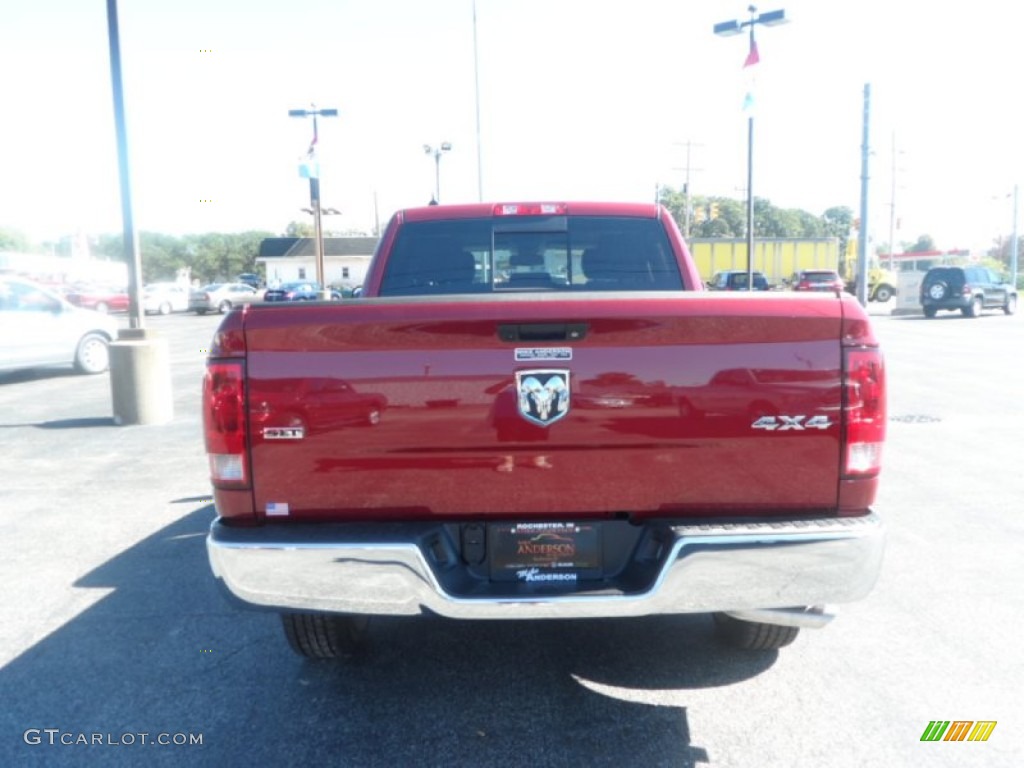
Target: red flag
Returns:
[[752, 57]]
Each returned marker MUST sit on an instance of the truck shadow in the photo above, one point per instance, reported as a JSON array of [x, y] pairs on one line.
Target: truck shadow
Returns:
[[164, 652]]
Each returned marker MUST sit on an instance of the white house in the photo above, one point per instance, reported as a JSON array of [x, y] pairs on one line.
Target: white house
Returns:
[[288, 259]]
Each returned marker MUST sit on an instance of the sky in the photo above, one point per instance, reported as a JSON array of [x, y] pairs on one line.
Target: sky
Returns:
[[578, 99]]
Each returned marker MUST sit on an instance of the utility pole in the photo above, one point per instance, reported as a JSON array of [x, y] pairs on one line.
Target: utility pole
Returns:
[[862, 244], [892, 204], [476, 88], [1014, 242], [687, 213]]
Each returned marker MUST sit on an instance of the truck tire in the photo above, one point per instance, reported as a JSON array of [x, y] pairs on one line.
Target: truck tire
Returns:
[[751, 635], [930, 312], [321, 636], [1011, 305], [883, 293]]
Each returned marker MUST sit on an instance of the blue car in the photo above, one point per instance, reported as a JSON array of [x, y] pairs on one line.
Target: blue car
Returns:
[[298, 291]]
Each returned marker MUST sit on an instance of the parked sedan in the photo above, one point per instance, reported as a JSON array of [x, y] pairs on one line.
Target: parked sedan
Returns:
[[165, 298], [302, 290], [40, 329], [101, 299], [220, 297]]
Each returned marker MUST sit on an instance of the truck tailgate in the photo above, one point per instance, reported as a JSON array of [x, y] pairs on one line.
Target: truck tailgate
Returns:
[[678, 405]]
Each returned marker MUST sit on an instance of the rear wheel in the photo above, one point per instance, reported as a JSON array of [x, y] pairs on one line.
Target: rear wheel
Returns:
[[224, 306], [92, 354], [323, 636], [929, 311], [938, 290], [165, 308], [974, 308], [752, 635], [1011, 305]]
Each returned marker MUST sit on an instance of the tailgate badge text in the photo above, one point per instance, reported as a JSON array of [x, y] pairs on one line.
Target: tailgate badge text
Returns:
[[542, 354], [789, 423], [284, 433]]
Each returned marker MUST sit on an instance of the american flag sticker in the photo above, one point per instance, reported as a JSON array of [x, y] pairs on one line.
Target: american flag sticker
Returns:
[[277, 509]]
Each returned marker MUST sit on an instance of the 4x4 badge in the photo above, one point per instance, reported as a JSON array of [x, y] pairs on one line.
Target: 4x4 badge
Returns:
[[543, 395], [787, 423]]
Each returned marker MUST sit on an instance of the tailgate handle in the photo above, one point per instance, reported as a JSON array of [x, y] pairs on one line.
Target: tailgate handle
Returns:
[[543, 332]]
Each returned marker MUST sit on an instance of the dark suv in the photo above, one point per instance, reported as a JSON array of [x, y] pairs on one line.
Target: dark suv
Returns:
[[969, 289], [734, 280]]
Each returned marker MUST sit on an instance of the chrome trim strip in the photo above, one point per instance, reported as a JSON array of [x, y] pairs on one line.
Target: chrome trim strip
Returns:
[[733, 568]]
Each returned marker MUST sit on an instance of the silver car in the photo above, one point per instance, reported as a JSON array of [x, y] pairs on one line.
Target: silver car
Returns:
[[220, 297], [165, 298], [39, 329]]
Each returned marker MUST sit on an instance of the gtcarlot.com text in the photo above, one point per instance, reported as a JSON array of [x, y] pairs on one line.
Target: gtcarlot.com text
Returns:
[[56, 736]]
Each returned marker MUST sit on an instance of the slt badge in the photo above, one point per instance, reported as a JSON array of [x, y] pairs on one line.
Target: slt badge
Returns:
[[543, 395]]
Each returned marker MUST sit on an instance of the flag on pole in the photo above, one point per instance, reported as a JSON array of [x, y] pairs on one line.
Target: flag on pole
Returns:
[[752, 59], [309, 166]]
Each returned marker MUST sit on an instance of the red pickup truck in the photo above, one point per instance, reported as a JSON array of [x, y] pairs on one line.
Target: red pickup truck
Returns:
[[517, 421]]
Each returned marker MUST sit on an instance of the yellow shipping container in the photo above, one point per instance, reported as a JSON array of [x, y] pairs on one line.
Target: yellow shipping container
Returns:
[[778, 259]]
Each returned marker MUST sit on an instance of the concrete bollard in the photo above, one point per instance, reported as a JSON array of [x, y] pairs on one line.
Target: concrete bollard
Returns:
[[140, 378]]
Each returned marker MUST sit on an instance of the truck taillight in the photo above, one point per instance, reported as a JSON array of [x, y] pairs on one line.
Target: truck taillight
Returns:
[[224, 424], [864, 406]]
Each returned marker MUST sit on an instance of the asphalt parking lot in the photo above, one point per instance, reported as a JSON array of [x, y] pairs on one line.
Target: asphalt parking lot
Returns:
[[112, 625]]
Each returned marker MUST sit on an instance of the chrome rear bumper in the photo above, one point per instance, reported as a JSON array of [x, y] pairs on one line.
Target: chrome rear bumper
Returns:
[[754, 571]]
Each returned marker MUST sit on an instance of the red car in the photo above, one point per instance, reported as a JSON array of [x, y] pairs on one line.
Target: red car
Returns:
[[101, 299], [819, 280]]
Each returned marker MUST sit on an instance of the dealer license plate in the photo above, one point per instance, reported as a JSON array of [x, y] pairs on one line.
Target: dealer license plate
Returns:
[[550, 553]]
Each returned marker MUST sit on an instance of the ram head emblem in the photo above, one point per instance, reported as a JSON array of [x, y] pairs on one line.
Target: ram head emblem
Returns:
[[543, 395]]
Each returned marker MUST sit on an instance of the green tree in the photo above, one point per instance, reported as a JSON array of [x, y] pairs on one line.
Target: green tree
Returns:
[[769, 221], [162, 256], [14, 240], [217, 256], [300, 229], [838, 223], [924, 243]]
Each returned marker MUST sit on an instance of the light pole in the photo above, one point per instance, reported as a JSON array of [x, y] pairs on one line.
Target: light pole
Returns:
[[320, 250], [1014, 241], [728, 29], [445, 146], [313, 170]]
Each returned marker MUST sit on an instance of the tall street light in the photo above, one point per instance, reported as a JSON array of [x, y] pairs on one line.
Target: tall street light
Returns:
[[1014, 241], [311, 168], [728, 29], [445, 146]]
